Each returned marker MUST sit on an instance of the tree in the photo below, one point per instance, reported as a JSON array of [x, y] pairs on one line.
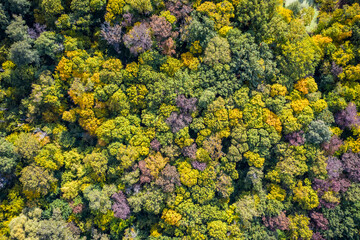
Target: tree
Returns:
[[80, 7], [30, 225], [319, 221], [118, 103], [318, 132], [155, 144], [171, 66], [36, 30], [169, 178], [99, 199], [206, 98], [224, 185], [201, 29], [97, 5], [254, 159], [334, 167], [217, 51], [299, 227], [305, 196], [295, 138], [120, 206], [98, 163], [51, 9], [112, 35], [251, 62], [178, 121], [150, 200], [114, 9], [155, 163], [239, 144], [138, 39], [292, 163], [219, 13], [279, 222], [246, 209], [127, 155], [8, 157], [255, 15], [142, 6], [17, 29], [333, 145], [171, 217], [303, 57], [36, 180], [188, 176], [27, 145], [351, 162], [199, 165], [50, 157], [47, 44], [21, 53], [145, 177], [45, 98], [4, 18], [160, 27], [58, 205], [217, 229], [348, 117], [179, 9], [341, 223]]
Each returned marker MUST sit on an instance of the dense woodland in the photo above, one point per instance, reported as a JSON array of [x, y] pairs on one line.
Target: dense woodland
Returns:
[[179, 119]]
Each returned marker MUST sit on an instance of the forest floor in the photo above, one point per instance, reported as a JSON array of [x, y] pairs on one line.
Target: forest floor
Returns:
[[307, 3]]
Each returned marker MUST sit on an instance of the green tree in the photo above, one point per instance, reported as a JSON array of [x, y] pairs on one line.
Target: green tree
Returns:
[[142, 6], [27, 145], [17, 29], [36, 180], [299, 58], [21, 53], [30, 225], [51, 9], [217, 51], [217, 229], [97, 162], [99, 199], [48, 45], [251, 62], [255, 15], [8, 156]]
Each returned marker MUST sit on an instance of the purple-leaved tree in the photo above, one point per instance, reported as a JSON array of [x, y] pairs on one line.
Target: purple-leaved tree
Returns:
[[332, 146], [318, 221], [112, 35], [190, 151], [36, 30], [295, 138], [169, 178], [334, 167], [178, 121], [155, 145], [145, 176], [336, 185], [120, 206], [198, 165], [279, 222], [138, 39], [128, 20], [347, 117], [351, 162], [336, 69]]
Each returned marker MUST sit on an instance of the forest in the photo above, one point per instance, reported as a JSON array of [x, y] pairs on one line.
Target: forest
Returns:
[[179, 119]]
